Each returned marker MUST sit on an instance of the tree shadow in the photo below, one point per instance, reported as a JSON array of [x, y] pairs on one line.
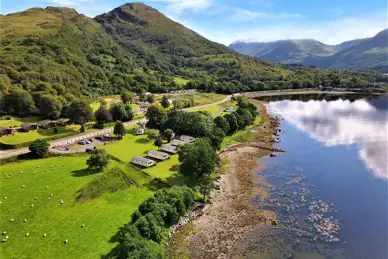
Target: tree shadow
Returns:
[[157, 184], [142, 141], [116, 251], [85, 172]]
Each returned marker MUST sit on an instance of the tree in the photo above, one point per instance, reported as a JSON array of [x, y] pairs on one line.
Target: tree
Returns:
[[198, 158], [150, 98], [50, 106], [126, 97], [118, 111], [39, 148], [246, 115], [80, 111], [216, 138], [155, 116], [19, 102], [240, 121], [222, 123], [165, 102], [232, 123], [98, 159], [128, 110], [152, 133], [103, 115], [168, 135], [119, 129], [158, 141], [206, 185]]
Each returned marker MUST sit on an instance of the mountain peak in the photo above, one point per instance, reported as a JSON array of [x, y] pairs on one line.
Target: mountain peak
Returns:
[[62, 10]]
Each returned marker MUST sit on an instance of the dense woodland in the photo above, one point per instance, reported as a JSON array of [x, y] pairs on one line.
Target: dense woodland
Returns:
[[50, 57]]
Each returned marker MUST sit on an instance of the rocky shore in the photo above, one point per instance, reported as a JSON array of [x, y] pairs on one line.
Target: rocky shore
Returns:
[[229, 216]]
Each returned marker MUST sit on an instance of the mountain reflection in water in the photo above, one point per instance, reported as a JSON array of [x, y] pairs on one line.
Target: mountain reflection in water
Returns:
[[343, 122]]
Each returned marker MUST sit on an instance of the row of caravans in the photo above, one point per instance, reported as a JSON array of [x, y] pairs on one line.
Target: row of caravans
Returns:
[[160, 155]]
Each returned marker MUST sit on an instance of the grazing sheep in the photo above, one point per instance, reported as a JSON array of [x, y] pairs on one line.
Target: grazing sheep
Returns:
[[4, 240], [51, 194], [32, 205], [44, 235], [61, 201], [4, 232], [11, 220], [25, 220], [23, 186], [27, 234], [35, 198], [5, 198], [49, 198], [66, 241], [83, 225], [6, 237]]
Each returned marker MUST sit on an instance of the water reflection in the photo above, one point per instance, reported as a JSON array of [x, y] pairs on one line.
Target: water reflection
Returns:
[[342, 122]]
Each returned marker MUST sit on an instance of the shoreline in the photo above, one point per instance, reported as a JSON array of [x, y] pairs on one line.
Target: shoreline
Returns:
[[229, 217]]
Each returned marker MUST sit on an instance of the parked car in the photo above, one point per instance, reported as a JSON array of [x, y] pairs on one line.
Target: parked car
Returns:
[[89, 150], [87, 142], [90, 140], [82, 142], [100, 137], [107, 135]]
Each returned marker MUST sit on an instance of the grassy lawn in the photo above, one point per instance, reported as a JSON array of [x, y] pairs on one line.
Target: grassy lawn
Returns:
[[217, 109], [180, 80], [15, 121], [21, 137], [64, 178], [240, 136]]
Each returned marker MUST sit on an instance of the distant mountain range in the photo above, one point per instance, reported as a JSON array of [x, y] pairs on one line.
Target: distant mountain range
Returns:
[[371, 53]]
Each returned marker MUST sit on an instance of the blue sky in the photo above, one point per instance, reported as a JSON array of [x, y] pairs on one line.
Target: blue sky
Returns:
[[225, 21]]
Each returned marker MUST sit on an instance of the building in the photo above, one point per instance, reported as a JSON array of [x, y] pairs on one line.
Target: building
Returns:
[[46, 124], [140, 131], [230, 109], [158, 155], [188, 139], [25, 127], [178, 142], [169, 148], [143, 161]]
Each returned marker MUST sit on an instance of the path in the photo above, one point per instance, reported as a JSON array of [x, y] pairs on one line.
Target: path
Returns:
[[68, 141]]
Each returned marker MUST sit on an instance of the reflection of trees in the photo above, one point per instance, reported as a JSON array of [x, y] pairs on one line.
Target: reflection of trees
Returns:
[[316, 97]]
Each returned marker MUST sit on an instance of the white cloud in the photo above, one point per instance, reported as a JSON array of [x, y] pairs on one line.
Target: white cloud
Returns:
[[178, 6], [242, 15], [343, 122], [70, 2]]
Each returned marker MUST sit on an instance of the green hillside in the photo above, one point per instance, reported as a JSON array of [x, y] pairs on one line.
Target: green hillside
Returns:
[[61, 53]]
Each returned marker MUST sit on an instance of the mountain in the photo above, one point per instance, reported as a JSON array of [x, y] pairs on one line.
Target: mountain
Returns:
[[134, 47], [355, 54]]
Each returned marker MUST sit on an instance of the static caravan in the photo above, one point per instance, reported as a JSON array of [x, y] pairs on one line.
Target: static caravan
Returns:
[[169, 148], [143, 161], [140, 131], [178, 142], [158, 155], [188, 139]]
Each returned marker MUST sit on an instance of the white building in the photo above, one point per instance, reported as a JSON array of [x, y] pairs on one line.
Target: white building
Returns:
[[158, 155], [188, 139], [169, 148], [143, 161], [178, 142]]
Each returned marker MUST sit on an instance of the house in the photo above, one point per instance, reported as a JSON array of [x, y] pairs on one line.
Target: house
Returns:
[[158, 155], [178, 142], [140, 131], [143, 161], [169, 148], [46, 124], [25, 127], [63, 122], [188, 139], [3, 131]]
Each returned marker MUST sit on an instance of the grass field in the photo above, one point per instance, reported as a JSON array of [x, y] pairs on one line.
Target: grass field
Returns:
[[180, 80], [63, 177], [21, 137], [217, 109], [15, 121]]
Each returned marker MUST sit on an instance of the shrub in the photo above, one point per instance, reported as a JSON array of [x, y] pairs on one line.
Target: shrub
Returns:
[[98, 159], [39, 148]]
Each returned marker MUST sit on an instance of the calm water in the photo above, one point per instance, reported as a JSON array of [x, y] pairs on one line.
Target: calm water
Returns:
[[330, 187]]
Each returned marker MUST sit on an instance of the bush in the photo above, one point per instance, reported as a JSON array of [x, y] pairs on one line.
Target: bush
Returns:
[[39, 148], [152, 133]]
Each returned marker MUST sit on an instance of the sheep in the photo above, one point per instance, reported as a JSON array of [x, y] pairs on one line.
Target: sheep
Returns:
[[44, 235], [4, 240], [49, 198], [61, 201], [83, 225], [25, 220], [23, 186], [27, 234], [66, 241], [12, 220], [5, 197], [32, 205], [4, 232], [6, 237], [35, 198]]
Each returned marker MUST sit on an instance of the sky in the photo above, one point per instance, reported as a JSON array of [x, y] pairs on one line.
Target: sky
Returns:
[[226, 21]]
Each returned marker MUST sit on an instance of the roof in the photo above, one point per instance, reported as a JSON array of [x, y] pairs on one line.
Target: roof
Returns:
[[157, 152], [142, 159]]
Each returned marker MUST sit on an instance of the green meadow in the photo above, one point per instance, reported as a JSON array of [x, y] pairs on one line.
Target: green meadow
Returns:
[[28, 183]]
